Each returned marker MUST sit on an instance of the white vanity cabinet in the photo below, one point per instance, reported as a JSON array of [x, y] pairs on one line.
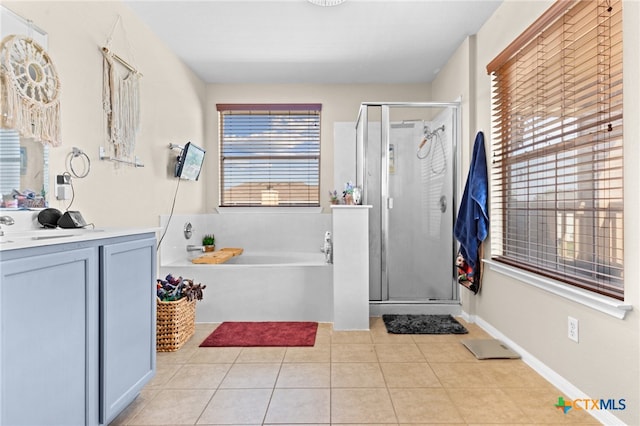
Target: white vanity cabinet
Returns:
[[77, 324]]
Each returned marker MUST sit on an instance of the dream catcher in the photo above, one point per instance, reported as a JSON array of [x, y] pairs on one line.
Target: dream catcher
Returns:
[[30, 101]]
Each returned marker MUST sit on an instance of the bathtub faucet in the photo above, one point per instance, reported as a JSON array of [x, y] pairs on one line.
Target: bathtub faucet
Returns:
[[327, 249], [195, 248]]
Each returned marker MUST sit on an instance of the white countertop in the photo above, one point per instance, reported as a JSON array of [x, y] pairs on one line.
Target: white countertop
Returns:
[[44, 237]]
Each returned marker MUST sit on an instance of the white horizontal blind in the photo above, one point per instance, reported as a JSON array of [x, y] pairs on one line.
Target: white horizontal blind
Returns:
[[269, 155], [557, 178], [10, 161]]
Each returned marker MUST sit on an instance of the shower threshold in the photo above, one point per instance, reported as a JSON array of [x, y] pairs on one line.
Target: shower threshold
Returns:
[[410, 307]]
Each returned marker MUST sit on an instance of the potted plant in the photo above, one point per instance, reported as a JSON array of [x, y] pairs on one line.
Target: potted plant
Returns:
[[333, 197], [209, 242]]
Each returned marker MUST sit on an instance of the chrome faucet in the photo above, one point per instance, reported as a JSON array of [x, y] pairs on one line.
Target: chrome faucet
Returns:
[[327, 249], [6, 220]]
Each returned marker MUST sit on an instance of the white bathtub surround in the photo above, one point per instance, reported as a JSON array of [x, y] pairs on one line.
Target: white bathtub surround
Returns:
[[288, 291], [350, 267], [281, 276], [263, 232]]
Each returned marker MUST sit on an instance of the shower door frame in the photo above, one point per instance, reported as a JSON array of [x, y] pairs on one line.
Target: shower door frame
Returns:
[[362, 166]]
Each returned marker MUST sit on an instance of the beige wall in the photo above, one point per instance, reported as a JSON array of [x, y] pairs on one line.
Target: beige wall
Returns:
[[176, 107], [340, 103], [605, 363], [172, 105]]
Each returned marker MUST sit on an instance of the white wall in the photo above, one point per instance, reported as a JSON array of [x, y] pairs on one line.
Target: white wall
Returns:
[[605, 363]]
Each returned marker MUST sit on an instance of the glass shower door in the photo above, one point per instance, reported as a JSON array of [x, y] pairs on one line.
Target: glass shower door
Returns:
[[419, 241], [411, 244]]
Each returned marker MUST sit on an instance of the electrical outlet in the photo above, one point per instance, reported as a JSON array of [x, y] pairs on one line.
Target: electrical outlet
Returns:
[[573, 329]]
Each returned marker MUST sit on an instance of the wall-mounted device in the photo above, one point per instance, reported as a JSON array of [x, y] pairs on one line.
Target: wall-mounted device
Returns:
[[63, 187], [190, 162]]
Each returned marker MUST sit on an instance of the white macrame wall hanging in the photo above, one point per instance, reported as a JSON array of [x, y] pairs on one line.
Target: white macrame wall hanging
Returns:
[[121, 104], [30, 90]]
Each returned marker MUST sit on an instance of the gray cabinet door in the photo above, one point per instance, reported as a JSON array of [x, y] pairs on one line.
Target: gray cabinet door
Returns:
[[49, 340], [127, 322]]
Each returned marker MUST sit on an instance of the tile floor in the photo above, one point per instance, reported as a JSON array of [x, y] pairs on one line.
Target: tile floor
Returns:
[[358, 377]]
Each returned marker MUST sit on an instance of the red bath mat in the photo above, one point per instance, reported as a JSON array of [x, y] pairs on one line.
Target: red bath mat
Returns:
[[269, 333]]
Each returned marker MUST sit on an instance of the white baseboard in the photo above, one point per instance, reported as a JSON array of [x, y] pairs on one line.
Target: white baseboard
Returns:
[[566, 387]]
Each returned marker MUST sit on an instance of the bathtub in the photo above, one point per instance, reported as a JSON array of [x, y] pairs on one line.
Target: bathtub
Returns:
[[262, 286]]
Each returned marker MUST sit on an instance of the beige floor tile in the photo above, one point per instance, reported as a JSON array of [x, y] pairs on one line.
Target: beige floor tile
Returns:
[[304, 375], [409, 375], [145, 396], [246, 376], [323, 339], [325, 327], [207, 326], [318, 353], [163, 409], [351, 337], [514, 374], [446, 352], [198, 376], [388, 352], [540, 406], [371, 405], [237, 406], [356, 375], [360, 377], [299, 406], [382, 336], [261, 354], [353, 353], [375, 322], [181, 356], [164, 373], [463, 375], [430, 338], [197, 338], [487, 405], [214, 355], [475, 332], [323, 334], [427, 405]]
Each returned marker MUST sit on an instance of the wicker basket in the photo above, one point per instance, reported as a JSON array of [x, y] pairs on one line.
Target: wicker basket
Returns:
[[176, 323]]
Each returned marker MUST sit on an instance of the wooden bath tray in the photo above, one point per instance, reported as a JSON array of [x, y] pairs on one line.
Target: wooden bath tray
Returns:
[[235, 251], [219, 256]]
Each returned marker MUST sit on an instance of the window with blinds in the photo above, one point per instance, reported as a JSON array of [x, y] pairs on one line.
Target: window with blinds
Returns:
[[269, 155], [557, 206]]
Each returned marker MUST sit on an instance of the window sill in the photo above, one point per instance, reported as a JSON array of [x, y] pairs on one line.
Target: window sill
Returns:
[[263, 210], [600, 303]]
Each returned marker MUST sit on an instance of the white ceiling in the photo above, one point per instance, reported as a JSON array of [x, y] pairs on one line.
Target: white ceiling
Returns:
[[294, 41]]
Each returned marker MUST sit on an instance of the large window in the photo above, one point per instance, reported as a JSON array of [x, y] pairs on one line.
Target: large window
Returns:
[[269, 155], [557, 173]]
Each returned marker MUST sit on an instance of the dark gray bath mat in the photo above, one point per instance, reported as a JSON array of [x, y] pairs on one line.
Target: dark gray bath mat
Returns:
[[422, 324]]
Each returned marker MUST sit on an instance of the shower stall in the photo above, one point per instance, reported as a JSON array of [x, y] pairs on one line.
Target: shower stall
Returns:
[[406, 157]]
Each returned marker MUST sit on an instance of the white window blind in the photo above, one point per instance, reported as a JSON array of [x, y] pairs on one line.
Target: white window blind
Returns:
[[10, 161], [269, 155], [557, 177]]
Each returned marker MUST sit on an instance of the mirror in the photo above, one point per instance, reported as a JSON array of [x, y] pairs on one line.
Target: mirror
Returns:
[[24, 162]]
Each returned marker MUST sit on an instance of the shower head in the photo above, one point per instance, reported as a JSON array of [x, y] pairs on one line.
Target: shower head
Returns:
[[428, 133]]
